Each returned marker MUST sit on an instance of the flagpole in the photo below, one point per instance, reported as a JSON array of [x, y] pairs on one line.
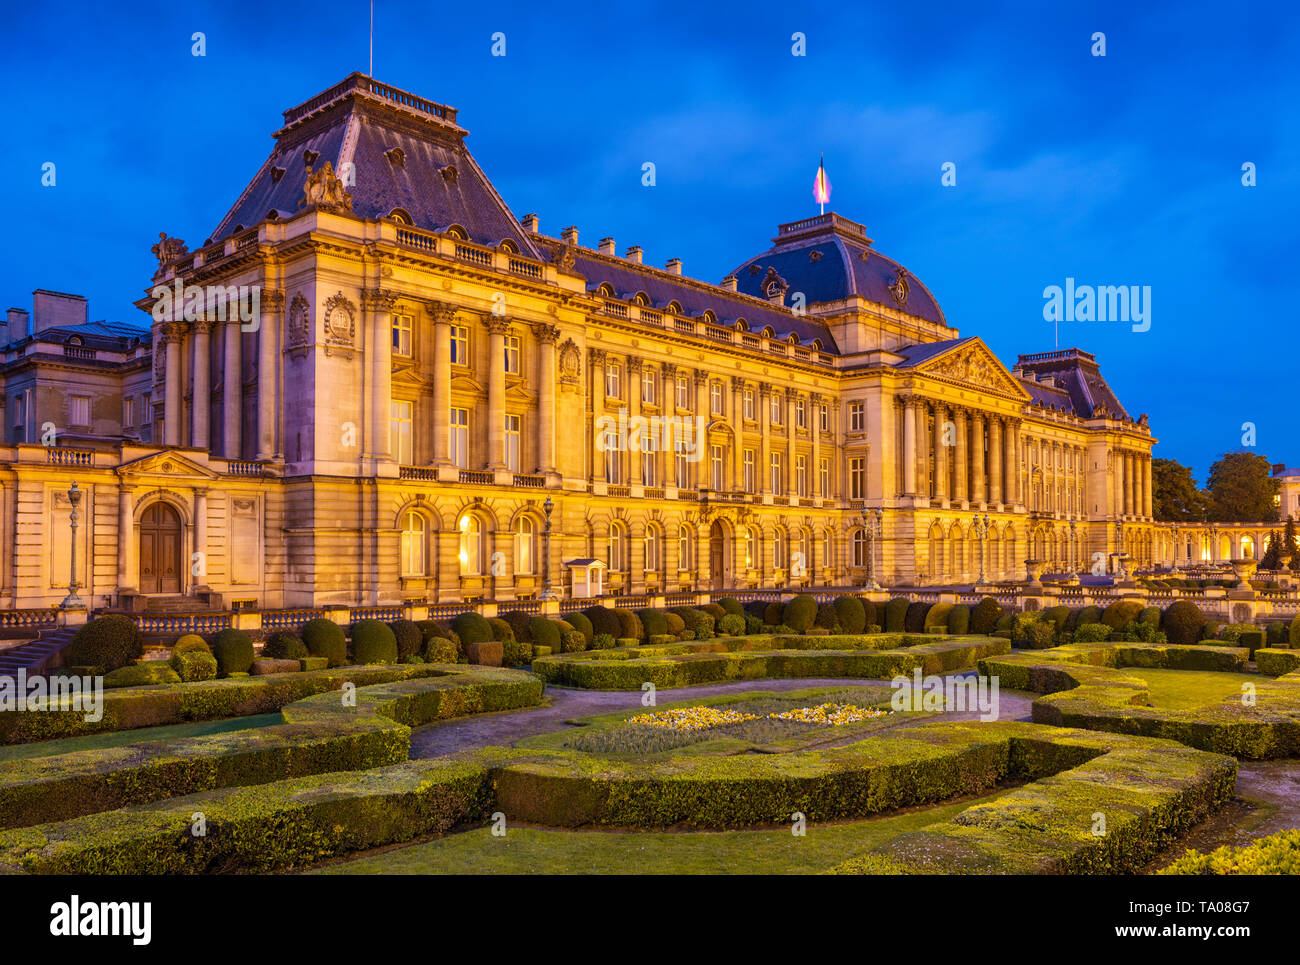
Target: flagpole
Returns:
[[372, 38]]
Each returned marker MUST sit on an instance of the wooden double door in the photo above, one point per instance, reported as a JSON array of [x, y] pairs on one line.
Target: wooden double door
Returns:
[[161, 563]]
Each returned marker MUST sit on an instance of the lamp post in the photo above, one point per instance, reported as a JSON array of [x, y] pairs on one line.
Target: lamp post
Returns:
[[873, 525], [72, 601], [547, 592], [982, 530]]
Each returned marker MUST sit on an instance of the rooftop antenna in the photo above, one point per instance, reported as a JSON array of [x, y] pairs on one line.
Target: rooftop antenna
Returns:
[[371, 71]]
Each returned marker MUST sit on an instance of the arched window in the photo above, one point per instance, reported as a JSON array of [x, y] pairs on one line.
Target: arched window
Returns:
[[653, 549], [525, 560], [413, 544], [471, 545], [685, 547], [617, 557], [859, 547]]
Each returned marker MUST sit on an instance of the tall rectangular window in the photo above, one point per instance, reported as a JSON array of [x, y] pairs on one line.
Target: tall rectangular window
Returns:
[[648, 383], [801, 475], [459, 345], [824, 417], [715, 398], [400, 428], [613, 384], [402, 326], [857, 417], [613, 457], [512, 443], [749, 470], [824, 478], [128, 412], [513, 345], [683, 471], [800, 414], [749, 404], [650, 467], [683, 392], [715, 464], [460, 437], [79, 410], [857, 478], [775, 468], [775, 409]]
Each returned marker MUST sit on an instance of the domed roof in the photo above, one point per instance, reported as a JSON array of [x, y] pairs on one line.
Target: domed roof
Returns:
[[829, 258]]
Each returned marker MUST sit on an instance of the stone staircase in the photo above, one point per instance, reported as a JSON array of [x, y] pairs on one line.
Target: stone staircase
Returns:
[[40, 656]]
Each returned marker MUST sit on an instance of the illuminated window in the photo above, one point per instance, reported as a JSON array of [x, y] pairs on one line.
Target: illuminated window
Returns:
[[774, 467], [513, 346], [749, 404], [471, 545], [402, 335], [653, 549], [749, 470], [512, 443], [413, 545], [857, 417], [399, 425], [524, 529], [685, 546], [857, 478], [460, 438], [617, 546], [459, 345]]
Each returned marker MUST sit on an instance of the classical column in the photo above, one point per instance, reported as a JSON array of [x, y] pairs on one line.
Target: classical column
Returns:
[[815, 404], [960, 491], [498, 327], [596, 373], [940, 453], [233, 392], [995, 460], [201, 408], [921, 413], [267, 403], [377, 304], [791, 397], [172, 333], [547, 335], [701, 450], [738, 426], [668, 406], [1128, 484], [200, 550], [909, 446], [765, 420], [1012, 463], [1146, 488], [636, 471], [125, 537], [978, 491], [442, 316]]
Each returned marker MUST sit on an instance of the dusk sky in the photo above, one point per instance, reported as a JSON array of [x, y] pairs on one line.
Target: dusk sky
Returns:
[[1117, 170]]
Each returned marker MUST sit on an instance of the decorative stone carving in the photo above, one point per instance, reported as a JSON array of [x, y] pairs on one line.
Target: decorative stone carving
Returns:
[[340, 325], [325, 190], [497, 324], [168, 249], [546, 334], [378, 299], [570, 366], [900, 288], [973, 366], [774, 285], [299, 328]]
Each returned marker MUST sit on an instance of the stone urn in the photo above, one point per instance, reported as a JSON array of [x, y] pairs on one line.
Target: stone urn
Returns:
[[1243, 570], [1034, 569]]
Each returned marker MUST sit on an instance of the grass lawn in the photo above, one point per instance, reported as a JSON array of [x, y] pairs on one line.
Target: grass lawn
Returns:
[[536, 851], [1188, 689], [120, 738]]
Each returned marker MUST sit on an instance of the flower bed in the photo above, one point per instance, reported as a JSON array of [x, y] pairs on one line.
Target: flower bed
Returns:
[[705, 718]]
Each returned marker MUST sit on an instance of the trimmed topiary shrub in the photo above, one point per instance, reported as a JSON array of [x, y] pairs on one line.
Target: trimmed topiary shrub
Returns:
[[1182, 623], [773, 613], [603, 641], [1150, 616], [733, 625], [800, 613], [896, 614], [1121, 613], [1293, 633], [914, 617], [851, 614], [984, 617], [1089, 614], [233, 650], [325, 638], [1057, 615], [630, 624], [144, 673], [409, 638], [1092, 633], [107, 642], [281, 646], [579, 622], [732, 605], [501, 630], [472, 628], [874, 614], [959, 620], [194, 665], [703, 625], [653, 621], [514, 653], [1276, 634], [545, 633], [936, 620], [373, 642], [676, 625], [190, 641], [752, 624], [714, 610], [441, 650], [520, 625], [603, 620], [827, 619], [571, 641]]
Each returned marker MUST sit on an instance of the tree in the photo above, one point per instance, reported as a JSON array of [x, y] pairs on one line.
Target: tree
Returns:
[[1272, 559], [1289, 542], [1242, 489], [1175, 497]]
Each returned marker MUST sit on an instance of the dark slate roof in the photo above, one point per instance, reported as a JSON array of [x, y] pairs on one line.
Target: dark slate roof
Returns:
[[915, 355], [1080, 387], [361, 120], [829, 258], [627, 279], [105, 335]]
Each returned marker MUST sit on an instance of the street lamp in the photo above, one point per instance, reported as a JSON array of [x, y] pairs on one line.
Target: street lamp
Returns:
[[547, 592], [873, 525], [72, 601], [982, 530]]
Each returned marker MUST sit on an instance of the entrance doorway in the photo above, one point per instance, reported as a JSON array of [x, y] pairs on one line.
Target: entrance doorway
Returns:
[[160, 550], [719, 571]]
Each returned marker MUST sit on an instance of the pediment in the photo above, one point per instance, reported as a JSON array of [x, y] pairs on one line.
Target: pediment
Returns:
[[464, 383], [166, 464], [409, 375], [973, 364]]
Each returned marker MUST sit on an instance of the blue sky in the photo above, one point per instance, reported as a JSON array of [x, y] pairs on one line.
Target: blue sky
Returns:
[[1116, 170]]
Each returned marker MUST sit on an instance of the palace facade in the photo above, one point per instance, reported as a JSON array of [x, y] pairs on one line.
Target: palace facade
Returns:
[[370, 383]]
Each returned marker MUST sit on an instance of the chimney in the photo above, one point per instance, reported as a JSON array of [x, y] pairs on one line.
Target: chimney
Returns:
[[56, 309], [729, 283], [17, 325], [633, 254], [532, 224], [606, 246], [570, 235], [674, 266]]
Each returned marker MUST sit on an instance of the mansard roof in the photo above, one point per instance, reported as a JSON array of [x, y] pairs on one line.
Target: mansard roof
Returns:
[[409, 154], [1077, 383]]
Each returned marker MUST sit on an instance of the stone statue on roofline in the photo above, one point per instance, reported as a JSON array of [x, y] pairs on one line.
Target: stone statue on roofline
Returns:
[[324, 189], [168, 249]]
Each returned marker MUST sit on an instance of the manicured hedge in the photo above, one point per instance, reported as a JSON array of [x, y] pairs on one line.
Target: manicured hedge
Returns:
[[373, 642], [984, 617], [959, 620], [141, 674], [194, 666], [1121, 613], [630, 624], [472, 628], [1182, 622], [325, 638], [282, 646], [410, 641], [520, 625], [732, 605], [233, 650], [914, 617], [654, 621], [896, 614], [107, 642], [1276, 854], [580, 623], [851, 613], [800, 613], [545, 633]]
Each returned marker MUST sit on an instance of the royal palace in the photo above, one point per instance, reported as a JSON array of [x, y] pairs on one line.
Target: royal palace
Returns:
[[373, 384]]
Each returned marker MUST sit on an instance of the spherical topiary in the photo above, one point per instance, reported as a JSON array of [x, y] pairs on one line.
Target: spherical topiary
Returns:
[[733, 625], [1092, 633], [545, 633], [501, 630], [233, 650], [800, 613], [472, 628], [190, 641], [106, 642], [715, 610], [676, 625], [427, 628], [325, 638], [914, 617], [1182, 623], [1121, 613], [1277, 634], [654, 621], [571, 641], [873, 613], [1089, 614], [1058, 615], [752, 624], [410, 641], [852, 615], [827, 618], [283, 646], [603, 620], [773, 613], [603, 641], [757, 607], [441, 650], [629, 624], [194, 665], [1150, 616], [984, 617], [959, 620], [704, 625], [579, 622], [373, 642], [895, 614], [515, 654], [520, 624], [732, 605]]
